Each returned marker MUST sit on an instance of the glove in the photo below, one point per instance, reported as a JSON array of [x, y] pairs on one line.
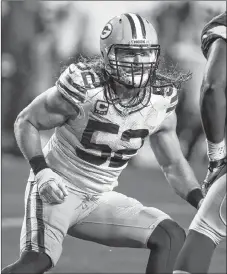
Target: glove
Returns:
[[51, 187], [215, 170]]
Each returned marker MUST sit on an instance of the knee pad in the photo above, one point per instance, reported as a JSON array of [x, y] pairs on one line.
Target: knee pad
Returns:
[[167, 234], [40, 260], [174, 230], [165, 244]]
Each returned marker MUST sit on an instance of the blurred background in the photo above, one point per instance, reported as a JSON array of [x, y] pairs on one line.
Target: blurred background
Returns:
[[39, 38]]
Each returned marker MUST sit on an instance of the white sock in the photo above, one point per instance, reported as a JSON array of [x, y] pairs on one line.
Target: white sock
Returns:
[[216, 151]]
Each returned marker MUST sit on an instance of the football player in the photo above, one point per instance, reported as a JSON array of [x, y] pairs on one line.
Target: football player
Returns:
[[208, 228], [102, 112]]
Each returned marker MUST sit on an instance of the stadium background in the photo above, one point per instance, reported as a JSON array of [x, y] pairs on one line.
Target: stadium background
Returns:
[[38, 39]]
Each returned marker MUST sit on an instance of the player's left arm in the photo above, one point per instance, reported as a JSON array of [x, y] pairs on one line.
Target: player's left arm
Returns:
[[176, 168]]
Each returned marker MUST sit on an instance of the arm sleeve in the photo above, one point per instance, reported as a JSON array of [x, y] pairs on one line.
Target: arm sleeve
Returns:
[[173, 100], [214, 30]]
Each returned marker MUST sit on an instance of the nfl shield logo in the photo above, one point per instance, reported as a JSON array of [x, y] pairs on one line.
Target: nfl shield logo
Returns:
[[101, 107]]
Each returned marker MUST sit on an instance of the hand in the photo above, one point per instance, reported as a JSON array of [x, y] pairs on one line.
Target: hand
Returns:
[[51, 187]]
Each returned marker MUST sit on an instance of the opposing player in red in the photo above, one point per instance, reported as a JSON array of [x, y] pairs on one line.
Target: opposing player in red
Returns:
[[102, 112], [208, 228]]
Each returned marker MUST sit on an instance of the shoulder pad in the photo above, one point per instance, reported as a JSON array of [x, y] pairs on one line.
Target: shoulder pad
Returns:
[[76, 80]]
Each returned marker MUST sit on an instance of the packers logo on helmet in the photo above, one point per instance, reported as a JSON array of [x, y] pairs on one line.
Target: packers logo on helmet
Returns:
[[106, 31]]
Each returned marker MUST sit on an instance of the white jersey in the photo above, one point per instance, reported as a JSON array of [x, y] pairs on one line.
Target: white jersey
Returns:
[[91, 150]]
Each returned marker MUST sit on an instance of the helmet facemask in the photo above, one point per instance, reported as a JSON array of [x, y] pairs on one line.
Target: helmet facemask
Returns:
[[124, 69], [130, 51]]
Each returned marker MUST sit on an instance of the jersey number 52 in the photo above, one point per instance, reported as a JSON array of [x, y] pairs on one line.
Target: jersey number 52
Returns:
[[116, 158]]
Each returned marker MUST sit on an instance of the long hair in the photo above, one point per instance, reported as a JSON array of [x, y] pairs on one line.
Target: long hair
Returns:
[[162, 78], [96, 64], [170, 74]]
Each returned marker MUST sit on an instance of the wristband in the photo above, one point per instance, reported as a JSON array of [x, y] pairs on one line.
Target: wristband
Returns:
[[194, 197], [38, 163]]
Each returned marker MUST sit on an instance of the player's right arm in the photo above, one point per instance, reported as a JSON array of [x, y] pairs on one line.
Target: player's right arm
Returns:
[[46, 111], [49, 110]]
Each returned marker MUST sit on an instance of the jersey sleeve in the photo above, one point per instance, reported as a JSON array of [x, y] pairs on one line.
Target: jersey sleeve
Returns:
[[172, 100], [215, 29], [75, 81]]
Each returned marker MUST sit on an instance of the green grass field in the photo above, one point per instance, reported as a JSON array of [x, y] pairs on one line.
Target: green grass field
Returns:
[[148, 186]]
